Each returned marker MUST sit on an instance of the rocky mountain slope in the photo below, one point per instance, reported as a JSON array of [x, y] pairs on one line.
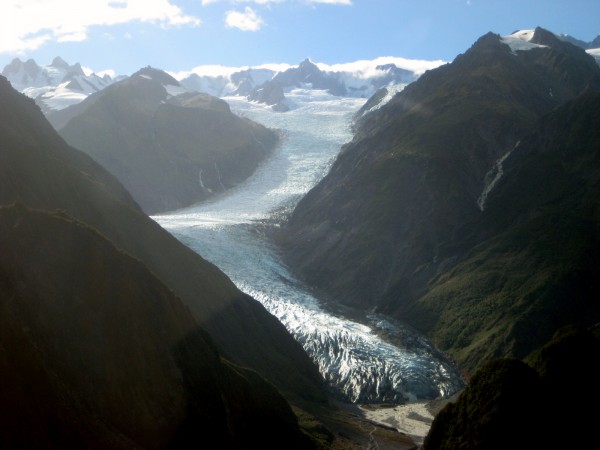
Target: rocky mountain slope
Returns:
[[532, 261], [38, 169], [410, 199], [98, 353], [170, 148]]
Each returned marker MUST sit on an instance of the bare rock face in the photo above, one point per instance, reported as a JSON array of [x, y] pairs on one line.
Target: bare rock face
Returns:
[[270, 93]]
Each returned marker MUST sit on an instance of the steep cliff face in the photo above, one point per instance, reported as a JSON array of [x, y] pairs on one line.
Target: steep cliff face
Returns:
[[38, 169], [169, 148], [392, 214], [98, 353]]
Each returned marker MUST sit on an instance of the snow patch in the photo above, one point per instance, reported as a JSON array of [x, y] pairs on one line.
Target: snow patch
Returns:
[[392, 90], [595, 52], [62, 97], [521, 41], [173, 90], [493, 176], [525, 35], [369, 68]]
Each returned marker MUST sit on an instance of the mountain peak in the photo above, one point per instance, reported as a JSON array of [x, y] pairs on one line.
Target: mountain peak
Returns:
[[538, 37], [16, 66], [307, 63], [541, 36], [158, 75], [53, 86], [13, 67], [307, 66], [59, 63]]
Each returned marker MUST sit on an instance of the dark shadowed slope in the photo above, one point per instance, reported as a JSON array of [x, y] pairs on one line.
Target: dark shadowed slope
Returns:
[[534, 264], [38, 169], [511, 405], [97, 353]]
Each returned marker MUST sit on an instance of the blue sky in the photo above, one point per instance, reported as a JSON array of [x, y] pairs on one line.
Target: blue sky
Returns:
[[177, 35]]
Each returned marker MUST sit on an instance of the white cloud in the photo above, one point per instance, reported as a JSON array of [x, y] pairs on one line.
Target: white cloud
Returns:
[[266, 2], [110, 72], [28, 24], [368, 68], [75, 36], [245, 21], [226, 71], [258, 2], [332, 2]]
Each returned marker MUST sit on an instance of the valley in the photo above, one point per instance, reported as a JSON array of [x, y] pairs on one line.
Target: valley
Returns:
[[233, 233], [370, 256]]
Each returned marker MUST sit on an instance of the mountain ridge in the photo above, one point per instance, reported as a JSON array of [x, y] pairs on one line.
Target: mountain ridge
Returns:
[[389, 218], [40, 170], [169, 147], [359, 78], [98, 353]]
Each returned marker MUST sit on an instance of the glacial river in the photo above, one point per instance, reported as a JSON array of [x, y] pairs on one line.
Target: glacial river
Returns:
[[363, 359]]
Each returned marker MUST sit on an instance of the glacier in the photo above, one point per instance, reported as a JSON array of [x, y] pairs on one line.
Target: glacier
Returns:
[[366, 359]]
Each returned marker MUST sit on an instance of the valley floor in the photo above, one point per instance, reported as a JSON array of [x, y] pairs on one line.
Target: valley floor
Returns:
[[387, 426], [412, 419]]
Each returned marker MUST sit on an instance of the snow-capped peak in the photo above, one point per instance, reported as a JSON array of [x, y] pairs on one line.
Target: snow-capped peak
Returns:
[[521, 41], [54, 86], [60, 63], [359, 78], [171, 85]]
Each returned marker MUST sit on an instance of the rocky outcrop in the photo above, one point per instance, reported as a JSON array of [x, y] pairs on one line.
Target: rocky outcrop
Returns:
[[270, 94], [307, 73]]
